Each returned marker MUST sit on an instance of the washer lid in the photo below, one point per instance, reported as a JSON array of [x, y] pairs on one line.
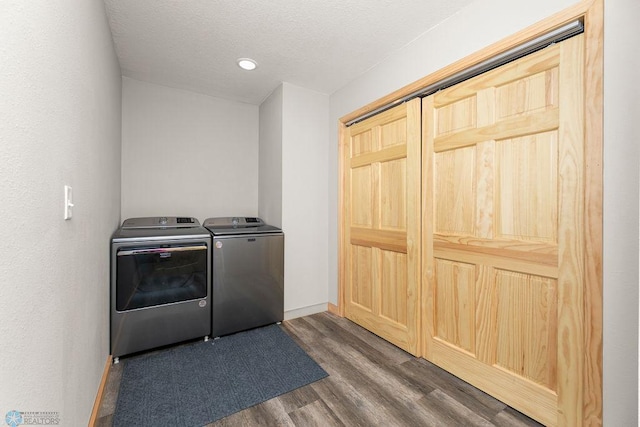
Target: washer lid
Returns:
[[160, 222], [238, 225]]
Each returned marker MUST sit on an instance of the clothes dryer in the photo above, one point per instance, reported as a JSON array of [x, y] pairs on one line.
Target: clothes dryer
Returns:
[[160, 283]]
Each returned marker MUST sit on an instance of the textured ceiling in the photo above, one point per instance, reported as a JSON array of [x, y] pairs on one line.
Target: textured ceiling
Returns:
[[319, 45]]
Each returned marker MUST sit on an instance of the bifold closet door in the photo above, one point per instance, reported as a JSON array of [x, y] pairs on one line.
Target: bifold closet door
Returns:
[[503, 188], [381, 170]]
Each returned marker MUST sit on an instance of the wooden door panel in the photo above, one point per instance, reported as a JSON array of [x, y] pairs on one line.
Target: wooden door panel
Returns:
[[393, 133], [393, 188], [454, 193], [526, 311], [455, 294], [361, 143], [383, 212], [456, 116], [502, 231], [527, 188], [361, 291], [362, 205], [393, 287], [526, 95]]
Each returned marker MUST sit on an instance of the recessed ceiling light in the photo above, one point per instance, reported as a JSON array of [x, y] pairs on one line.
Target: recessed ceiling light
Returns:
[[247, 64]]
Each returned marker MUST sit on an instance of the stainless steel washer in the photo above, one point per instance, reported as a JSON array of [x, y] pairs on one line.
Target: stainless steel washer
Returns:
[[160, 283], [248, 274]]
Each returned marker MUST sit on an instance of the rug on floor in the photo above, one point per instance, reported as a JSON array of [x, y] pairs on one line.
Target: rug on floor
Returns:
[[198, 383]]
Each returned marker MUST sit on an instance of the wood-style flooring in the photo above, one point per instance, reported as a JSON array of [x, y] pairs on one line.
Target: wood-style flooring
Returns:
[[371, 383]]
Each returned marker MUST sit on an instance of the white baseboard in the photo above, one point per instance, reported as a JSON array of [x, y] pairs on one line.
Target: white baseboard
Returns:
[[305, 311]]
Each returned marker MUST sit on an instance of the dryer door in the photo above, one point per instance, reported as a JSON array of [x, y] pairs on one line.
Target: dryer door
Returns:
[[151, 276]]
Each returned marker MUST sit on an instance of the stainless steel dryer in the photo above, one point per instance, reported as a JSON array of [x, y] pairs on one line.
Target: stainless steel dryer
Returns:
[[160, 283], [248, 274]]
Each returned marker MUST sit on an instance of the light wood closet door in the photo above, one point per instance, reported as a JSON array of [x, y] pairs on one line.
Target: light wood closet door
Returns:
[[382, 230], [503, 232]]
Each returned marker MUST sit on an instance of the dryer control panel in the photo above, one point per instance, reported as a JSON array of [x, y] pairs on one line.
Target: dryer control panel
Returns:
[[160, 222]]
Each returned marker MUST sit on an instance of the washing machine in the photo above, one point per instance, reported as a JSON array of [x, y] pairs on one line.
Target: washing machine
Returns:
[[248, 274], [160, 283]]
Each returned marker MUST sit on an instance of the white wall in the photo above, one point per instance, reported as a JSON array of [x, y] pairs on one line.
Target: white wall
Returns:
[[479, 25], [60, 108], [270, 159], [304, 198], [187, 154], [621, 187]]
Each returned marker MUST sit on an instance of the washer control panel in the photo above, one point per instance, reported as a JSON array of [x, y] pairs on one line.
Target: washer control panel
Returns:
[[233, 222]]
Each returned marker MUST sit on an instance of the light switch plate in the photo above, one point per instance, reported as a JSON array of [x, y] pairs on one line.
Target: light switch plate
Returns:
[[68, 202]]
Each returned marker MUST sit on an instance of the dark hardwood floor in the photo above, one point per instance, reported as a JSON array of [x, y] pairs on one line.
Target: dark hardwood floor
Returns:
[[370, 383]]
